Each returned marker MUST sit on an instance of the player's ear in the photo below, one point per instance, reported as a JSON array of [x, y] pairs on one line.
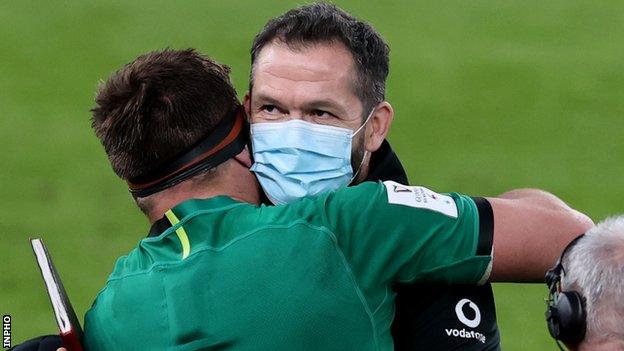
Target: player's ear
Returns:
[[247, 105], [378, 126], [244, 157]]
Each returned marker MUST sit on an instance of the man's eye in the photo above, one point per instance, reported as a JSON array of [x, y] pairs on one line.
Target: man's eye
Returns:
[[321, 113], [268, 108]]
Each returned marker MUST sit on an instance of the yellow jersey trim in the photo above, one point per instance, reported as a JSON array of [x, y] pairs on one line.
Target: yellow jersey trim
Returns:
[[186, 245]]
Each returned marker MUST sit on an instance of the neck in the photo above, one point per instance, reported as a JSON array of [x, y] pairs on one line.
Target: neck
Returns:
[[231, 180], [363, 169], [606, 345]]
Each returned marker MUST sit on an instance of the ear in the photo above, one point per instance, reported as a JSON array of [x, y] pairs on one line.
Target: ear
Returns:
[[378, 126], [244, 157], [247, 105]]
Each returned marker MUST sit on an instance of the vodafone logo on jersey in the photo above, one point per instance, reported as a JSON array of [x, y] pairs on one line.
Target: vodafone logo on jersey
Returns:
[[459, 310], [472, 320]]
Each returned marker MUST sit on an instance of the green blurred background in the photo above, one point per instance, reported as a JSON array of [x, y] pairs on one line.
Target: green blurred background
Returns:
[[489, 95]]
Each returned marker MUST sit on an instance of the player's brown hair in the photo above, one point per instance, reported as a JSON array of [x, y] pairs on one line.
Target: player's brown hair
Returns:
[[159, 105]]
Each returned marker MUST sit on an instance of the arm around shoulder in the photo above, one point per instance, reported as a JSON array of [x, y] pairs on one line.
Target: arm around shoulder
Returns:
[[531, 228]]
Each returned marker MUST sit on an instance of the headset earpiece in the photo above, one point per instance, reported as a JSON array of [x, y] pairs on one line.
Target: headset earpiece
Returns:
[[552, 319], [566, 318], [565, 315]]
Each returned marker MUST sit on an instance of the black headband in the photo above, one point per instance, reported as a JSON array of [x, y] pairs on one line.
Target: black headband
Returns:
[[224, 142]]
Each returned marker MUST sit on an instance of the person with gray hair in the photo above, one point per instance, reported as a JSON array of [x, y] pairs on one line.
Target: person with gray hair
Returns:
[[586, 303]]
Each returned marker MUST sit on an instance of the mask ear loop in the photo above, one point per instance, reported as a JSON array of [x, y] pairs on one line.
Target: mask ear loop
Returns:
[[366, 153], [370, 114]]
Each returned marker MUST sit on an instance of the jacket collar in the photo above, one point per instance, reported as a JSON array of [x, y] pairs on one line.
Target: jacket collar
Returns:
[[385, 165]]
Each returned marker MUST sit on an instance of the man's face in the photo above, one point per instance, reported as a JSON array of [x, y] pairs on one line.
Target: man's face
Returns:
[[312, 83]]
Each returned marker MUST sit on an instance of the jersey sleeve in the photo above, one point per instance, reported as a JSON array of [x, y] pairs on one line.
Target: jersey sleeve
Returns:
[[397, 233]]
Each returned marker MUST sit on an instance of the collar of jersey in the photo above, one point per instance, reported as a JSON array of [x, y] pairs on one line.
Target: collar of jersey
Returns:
[[193, 205], [190, 206]]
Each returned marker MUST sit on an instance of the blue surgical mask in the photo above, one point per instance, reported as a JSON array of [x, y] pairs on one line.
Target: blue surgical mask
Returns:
[[295, 159]]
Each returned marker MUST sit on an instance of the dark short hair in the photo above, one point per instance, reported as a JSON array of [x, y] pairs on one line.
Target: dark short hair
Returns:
[[158, 106], [323, 22]]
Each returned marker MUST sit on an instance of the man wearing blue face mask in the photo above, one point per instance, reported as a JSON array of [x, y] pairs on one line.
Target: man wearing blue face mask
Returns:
[[295, 158], [319, 119]]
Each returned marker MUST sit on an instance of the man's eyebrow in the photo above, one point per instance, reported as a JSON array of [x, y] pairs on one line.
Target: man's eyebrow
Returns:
[[265, 99], [320, 104]]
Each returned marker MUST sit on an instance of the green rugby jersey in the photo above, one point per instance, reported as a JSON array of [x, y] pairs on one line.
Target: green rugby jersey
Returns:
[[312, 275]]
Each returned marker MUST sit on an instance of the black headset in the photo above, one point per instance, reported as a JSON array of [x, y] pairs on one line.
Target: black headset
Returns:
[[565, 315]]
